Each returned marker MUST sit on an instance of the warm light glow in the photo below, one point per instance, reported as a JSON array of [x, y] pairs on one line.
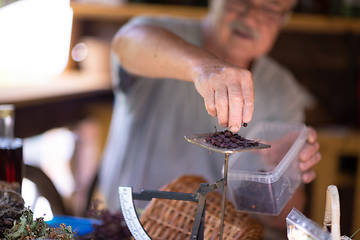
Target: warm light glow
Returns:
[[35, 36]]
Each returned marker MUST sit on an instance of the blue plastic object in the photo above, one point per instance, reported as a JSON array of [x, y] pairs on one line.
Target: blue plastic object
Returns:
[[81, 226]]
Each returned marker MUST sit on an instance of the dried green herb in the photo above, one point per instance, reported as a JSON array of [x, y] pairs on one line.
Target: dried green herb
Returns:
[[17, 222], [28, 228]]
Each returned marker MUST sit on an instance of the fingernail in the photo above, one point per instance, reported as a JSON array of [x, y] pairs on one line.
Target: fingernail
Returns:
[[248, 102], [224, 125], [234, 128]]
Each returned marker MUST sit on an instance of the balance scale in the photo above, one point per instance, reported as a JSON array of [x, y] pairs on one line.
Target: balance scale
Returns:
[[127, 196]]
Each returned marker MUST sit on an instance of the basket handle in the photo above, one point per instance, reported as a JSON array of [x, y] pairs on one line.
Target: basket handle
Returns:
[[332, 212]]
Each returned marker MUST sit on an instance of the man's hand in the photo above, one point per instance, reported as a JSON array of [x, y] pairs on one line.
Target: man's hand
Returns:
[[309, 156], [228, 93]]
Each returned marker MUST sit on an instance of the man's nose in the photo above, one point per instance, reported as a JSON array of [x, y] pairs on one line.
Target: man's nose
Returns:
[[251, 16]]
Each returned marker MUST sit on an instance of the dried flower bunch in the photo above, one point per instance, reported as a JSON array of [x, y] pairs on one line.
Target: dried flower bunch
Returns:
[[17, 221]]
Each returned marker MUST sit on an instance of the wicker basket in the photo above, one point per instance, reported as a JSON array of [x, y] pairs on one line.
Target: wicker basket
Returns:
[[173, 219]]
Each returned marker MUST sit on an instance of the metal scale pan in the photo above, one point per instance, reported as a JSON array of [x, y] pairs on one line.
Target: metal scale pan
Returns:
[[199, 139]]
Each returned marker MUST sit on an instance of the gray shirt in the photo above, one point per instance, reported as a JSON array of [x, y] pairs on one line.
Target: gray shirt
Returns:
[[146, 147]]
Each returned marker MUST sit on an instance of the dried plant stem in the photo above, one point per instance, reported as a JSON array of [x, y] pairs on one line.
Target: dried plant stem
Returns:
[[355, 233]]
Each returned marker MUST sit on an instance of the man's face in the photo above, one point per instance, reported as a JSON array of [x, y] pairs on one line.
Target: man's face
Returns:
[[246, 29]]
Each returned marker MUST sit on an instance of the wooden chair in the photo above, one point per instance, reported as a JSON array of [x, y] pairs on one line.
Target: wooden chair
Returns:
[[46, 189]]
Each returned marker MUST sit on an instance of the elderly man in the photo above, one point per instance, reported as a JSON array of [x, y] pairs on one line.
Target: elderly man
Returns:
[[174, 77]]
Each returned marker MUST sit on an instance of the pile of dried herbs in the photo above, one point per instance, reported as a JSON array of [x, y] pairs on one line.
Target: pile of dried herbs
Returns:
[[17, 222], [27, 228], [11, 209]]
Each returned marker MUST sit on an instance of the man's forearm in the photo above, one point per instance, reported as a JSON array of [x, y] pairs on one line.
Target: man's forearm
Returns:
[[157, 53]]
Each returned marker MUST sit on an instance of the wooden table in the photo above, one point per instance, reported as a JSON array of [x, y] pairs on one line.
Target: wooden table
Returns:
[[43, 102]]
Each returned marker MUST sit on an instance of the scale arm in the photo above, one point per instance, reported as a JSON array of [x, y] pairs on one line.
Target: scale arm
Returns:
[[147, 195]]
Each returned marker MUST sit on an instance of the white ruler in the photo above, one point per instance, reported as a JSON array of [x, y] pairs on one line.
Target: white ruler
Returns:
[[129, 214]]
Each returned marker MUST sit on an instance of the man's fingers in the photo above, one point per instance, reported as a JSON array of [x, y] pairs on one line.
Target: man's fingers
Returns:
[[308, 176], [314, 159], [248, 99], [235, 108], [209, 100], [309, 150], [310, 156], [241, 101], [312, 136], [222, 105]]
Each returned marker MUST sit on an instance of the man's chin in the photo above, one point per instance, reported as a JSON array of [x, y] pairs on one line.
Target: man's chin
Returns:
[[245, 50], [240, 58]]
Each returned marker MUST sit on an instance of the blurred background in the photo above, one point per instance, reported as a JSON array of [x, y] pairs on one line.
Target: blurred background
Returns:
[[64, 100]]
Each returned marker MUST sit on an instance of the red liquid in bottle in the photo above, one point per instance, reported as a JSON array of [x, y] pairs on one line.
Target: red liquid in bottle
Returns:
[[11, 161]]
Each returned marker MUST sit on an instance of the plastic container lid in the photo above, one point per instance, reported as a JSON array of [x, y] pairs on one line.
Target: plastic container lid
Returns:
[[268, 131]]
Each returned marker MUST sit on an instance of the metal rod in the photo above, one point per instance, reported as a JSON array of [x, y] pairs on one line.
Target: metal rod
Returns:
[[147, 195], [224, 195]]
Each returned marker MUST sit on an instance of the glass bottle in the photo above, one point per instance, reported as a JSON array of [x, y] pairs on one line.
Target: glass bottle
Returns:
[[11, 150]]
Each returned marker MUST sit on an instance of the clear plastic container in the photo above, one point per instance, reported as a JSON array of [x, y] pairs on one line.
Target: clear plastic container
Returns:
[[263, 181]]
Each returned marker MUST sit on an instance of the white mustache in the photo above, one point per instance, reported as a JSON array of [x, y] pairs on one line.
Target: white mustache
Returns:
[[239, 26]]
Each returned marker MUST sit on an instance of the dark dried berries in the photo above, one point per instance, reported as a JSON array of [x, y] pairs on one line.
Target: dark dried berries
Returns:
[[227, 139], [113, 225]]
